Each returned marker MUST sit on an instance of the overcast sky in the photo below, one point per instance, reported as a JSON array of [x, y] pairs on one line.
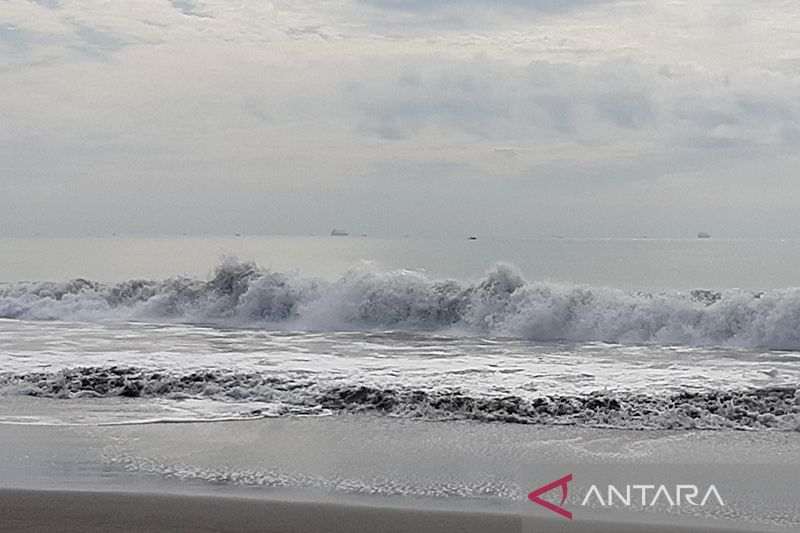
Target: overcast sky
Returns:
[[518, 118]]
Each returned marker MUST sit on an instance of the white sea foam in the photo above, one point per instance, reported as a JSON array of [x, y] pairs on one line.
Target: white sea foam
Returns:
[[269, 394], [500, 303]]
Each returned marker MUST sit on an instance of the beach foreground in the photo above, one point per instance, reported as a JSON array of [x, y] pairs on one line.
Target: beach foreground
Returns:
[[366, 473], [89, 511]]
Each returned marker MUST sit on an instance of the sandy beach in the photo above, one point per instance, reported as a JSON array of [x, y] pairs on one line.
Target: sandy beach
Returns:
[[88, 511], [361, 473]]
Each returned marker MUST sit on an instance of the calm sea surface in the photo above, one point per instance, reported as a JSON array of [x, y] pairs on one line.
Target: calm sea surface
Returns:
[[643, 264]]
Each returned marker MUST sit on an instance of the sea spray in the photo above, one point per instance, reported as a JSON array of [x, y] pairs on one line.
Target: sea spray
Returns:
[[501, 303]]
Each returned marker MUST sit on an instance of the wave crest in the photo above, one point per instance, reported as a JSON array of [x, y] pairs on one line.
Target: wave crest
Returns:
[[501, 303]]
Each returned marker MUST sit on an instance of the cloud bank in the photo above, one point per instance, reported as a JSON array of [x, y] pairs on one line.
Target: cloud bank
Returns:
[[523, 119]]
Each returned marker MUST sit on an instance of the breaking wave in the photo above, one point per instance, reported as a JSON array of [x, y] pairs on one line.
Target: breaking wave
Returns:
[[775, 408], [501, 303]]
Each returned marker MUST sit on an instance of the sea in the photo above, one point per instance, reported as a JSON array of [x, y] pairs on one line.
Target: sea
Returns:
[[447, 373], [691, 334]]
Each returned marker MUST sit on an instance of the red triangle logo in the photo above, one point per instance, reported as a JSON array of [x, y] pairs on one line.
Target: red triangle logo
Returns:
[[534, 496]]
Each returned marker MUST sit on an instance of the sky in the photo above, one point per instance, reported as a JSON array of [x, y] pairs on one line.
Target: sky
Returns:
[[433, 118]]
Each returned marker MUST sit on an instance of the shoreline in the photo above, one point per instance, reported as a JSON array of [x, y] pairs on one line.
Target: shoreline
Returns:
[[76, 511], [376, 473]]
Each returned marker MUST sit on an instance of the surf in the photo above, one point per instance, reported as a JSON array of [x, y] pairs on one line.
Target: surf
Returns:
[[500, 303]]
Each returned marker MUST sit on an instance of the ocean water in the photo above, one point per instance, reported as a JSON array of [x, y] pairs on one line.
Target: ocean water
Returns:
[[626, 334]]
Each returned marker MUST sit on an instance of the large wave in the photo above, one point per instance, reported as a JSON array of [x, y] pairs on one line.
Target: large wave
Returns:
[[501, 303]]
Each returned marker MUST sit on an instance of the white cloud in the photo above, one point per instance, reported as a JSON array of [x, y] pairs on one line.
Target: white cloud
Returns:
[[298, 98]]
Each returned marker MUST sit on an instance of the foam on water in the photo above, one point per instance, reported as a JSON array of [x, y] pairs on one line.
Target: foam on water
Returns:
[[762, 408], [501, 303], [250, 342]]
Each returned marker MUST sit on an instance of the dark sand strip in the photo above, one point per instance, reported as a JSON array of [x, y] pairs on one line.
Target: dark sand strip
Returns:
[[88, 512]]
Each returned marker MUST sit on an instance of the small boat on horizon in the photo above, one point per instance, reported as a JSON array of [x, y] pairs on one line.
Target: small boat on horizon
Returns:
[[703, 235], [339, 233]]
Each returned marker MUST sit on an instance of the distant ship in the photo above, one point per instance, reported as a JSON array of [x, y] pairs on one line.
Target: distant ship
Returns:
[[472, 238], [339, 233], [703, 235]]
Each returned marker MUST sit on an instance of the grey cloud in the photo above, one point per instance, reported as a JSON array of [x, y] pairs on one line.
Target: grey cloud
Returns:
[[304, 31], [737, 118], [433, 5], [593, 103], [92, 40], [626, 109], [188, 8], [496, 101], [407, 103], [15, 39], [705, 111], [97, 41], [394, 17], [49, 4]]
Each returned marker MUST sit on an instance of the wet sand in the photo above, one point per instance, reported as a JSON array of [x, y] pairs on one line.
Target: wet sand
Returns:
[[361, 473], [90, 511]]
